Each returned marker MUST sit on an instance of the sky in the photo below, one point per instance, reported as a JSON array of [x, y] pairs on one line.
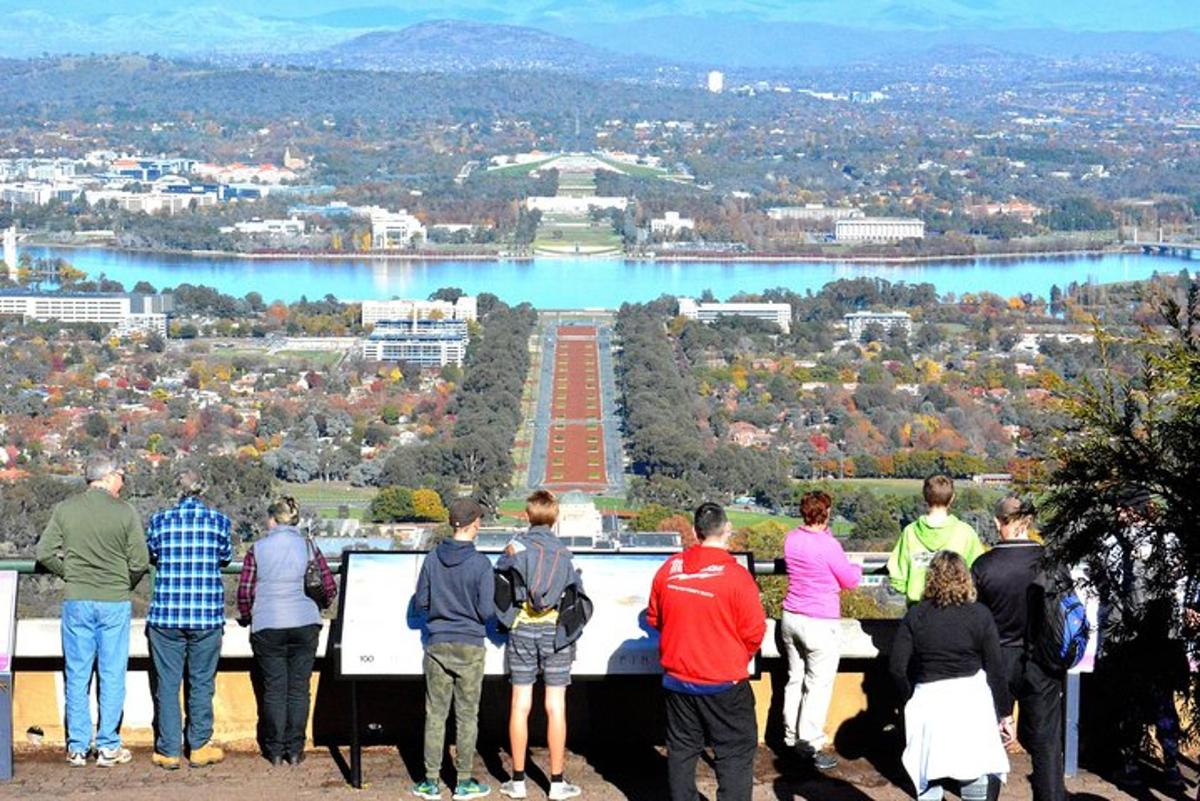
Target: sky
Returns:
[[57, 26]]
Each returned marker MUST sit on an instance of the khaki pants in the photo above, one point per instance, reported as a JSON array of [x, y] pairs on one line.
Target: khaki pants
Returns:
[[813, 652]]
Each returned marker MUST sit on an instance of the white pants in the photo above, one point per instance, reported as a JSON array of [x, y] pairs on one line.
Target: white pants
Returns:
[[813, 651]]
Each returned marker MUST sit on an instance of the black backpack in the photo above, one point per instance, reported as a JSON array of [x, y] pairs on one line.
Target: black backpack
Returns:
[[1058, 626]]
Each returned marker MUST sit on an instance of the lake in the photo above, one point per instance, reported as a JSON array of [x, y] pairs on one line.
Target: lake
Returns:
[[563, 283]]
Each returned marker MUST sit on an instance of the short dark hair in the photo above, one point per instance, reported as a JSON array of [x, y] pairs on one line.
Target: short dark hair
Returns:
[[938, 490], [815, 506], [709, 520], [189, 482]]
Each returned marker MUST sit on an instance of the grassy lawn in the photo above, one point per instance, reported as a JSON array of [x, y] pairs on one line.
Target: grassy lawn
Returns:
[[319, 358], [519, 169], [328, 493], [636, 170]]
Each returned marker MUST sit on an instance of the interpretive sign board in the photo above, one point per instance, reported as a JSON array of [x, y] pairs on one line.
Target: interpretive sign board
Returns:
[[380, 633]]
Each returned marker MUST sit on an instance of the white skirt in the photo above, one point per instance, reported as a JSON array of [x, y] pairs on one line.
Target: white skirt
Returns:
[[952, 733]]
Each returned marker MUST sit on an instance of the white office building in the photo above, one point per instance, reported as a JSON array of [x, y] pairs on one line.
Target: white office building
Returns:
[[716, 82], [565, 204], [276, 227], [671, 223], [391, 230], [879, 229], [857, 322], [778, 313], [132, 312], [10, 251], [815, 212], [377, 311], [425, 343]]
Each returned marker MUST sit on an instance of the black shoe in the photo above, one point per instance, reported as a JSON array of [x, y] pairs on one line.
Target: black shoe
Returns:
[[295, 759], [824, 760], [276, 761]]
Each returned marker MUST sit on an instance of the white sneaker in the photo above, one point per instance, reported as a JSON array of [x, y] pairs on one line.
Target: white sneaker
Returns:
[[513, 789], [559, 791], [110, 757], [76, 759]]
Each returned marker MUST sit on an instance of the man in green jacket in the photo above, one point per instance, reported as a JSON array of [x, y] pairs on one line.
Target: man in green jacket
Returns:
[[938, 530], [95, 543]]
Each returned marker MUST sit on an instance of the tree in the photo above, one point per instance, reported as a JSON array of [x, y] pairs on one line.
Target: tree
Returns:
[[650, 516], [96, 426], [392, 505], [427, 505], [1122, 487]]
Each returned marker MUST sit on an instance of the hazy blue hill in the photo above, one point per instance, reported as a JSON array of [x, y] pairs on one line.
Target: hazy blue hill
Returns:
[[460, 46]]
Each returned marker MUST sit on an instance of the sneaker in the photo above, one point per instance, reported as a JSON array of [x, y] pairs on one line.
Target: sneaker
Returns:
[[77, 759], [562, 790], [165, 762], [824, 760], [206, 755], [513, 789], [111, 757], [469, 789], [428, 790]]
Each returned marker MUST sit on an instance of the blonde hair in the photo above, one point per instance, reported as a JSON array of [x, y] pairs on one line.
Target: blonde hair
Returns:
[[948, 582], [285, 511]]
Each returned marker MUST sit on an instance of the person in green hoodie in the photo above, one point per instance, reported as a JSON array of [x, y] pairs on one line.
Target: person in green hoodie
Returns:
[[937, 530]]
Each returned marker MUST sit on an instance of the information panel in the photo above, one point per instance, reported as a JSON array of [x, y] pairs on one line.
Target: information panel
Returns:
[[380, 632]]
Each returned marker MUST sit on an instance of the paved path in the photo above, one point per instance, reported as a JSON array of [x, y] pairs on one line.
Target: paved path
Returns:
[[636, 776]]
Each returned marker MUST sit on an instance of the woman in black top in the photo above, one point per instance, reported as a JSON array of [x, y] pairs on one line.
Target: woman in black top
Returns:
[[946, 661]]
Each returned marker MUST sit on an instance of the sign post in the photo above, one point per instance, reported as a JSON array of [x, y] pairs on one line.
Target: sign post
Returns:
[[8, 638]]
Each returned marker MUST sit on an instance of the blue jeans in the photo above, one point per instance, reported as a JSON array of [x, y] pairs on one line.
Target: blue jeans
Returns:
[[171, 649], [95, 635]]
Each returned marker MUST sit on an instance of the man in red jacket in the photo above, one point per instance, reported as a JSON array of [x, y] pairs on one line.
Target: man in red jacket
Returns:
[[710, 617]]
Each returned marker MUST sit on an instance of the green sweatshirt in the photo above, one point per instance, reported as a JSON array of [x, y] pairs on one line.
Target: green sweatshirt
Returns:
[[96, 543], [918, 543]]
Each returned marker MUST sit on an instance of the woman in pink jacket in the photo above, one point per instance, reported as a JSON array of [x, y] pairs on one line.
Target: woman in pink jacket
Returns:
[[818, 571]]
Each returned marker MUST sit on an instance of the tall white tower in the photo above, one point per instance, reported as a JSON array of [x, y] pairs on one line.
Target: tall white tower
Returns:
[[10, 251], [716, 82]]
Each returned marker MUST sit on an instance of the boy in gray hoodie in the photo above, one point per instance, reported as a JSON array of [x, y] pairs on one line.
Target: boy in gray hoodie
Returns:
[[456, 591]]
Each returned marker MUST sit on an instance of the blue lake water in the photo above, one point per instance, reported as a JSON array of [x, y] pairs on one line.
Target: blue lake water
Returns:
[[550, 283]]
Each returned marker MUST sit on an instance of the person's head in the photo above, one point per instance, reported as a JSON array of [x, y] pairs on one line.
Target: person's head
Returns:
[[948, 582], [814, 508], [102, 472], [1014, 517], [938, 491], [283, 512], [712, 525], [465, 516], [190, 483], [541, 508]]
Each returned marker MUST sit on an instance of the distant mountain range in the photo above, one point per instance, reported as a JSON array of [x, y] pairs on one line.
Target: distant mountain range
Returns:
[[620, 38]]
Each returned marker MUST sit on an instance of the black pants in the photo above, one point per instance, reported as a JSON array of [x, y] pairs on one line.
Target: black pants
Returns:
[[1039, 695], [726, 721], [285, 660]]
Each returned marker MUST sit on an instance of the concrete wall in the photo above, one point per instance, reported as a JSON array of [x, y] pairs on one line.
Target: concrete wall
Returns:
[[391, 711]]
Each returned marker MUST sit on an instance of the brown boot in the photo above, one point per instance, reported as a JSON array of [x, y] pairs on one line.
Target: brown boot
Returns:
[[209, 754], [165, 762]]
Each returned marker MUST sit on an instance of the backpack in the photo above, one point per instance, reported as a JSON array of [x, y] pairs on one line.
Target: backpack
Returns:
[[1058, 624]]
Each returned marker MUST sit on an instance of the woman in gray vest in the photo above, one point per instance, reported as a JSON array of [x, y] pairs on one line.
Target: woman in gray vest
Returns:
[[284, 627]]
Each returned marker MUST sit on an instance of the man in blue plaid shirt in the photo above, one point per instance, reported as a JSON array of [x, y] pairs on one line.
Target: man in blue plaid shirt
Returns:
[[188, 544]]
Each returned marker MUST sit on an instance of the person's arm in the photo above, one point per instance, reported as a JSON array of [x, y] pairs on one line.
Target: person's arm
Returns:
[[246, 587], [974, 548], [485, 599], [225, 542], [654, 606], [423, 597], [848, 574], [153, 539], [901, 657], [136, 552], [50, 546], [752, 621], [897, 566], [993, 660]]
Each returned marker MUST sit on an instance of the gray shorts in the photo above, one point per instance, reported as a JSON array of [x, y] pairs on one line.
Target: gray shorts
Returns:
[[530, 653]]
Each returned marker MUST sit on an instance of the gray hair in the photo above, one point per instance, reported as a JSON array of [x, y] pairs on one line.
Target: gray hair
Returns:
[[99, 467], [190, 482]]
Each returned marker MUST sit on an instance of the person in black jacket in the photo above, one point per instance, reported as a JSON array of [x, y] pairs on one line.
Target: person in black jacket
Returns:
[[1004, 578], [946, 662]]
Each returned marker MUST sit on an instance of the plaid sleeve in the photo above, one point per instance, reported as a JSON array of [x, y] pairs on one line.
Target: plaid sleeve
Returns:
[[327, 579], [225, 542], [153, 539], [246, 585]]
